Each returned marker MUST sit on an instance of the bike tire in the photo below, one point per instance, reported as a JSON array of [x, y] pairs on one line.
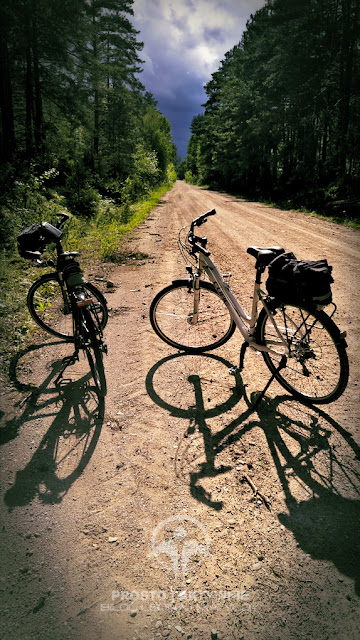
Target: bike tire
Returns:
[[317, 369], [90, 334], [172, 308], [47, 308]]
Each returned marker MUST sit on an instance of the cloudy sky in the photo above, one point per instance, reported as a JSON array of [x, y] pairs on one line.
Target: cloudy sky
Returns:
[[184, 43]]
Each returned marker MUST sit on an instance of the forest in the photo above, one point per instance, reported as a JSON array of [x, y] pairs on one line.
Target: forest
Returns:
[[77, 125], [282, 116]]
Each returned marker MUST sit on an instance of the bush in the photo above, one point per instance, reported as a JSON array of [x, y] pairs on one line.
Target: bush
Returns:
[[144, 176], [26, 201], [189, 177], [84, 201], [80, 193]]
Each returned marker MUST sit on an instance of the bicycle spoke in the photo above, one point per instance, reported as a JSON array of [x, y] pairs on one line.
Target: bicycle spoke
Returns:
[[172, 313], [316, 367]]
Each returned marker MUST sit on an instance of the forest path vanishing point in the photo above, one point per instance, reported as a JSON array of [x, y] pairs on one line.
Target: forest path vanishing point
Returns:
[[171, 510]]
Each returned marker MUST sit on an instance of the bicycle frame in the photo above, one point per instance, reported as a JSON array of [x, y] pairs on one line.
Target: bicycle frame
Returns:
[[245, 323]]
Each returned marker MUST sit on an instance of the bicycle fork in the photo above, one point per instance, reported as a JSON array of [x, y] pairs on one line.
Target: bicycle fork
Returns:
[[193, 318], [81, 337]]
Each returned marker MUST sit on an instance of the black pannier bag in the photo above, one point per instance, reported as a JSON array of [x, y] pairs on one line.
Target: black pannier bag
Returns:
[[306, 281], [31, 239]]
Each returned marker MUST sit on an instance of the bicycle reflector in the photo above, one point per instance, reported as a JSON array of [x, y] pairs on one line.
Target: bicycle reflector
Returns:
[[80, 302], [83, 300]]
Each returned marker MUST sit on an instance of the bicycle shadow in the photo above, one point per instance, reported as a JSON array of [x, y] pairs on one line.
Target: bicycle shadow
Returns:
[[67, 446], [326, 524]]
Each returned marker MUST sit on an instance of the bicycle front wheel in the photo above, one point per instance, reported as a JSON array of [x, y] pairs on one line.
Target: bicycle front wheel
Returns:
[[172, 317], [317, 367], [92, 339], [50, 307]]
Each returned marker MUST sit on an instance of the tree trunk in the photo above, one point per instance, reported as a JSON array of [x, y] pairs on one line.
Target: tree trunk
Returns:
[[28, 105], [7, 140], [350, 34], [38, 119], [96, 89]]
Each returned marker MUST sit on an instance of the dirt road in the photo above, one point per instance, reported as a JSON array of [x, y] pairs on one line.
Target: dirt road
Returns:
[[137, 517]]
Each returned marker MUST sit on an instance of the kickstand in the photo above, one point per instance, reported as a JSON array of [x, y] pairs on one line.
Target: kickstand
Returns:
[[282, 364], [67, 361]]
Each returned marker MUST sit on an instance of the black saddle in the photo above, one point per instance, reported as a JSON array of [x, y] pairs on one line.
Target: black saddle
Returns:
[[264, 255]]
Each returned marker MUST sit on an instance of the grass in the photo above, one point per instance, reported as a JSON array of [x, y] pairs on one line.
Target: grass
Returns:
[[346, 222], [16, 325], [353, 223], [108, 232], [98, 239]]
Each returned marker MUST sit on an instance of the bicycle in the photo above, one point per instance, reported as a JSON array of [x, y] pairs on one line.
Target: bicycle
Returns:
[[301, 345], [62, 302]]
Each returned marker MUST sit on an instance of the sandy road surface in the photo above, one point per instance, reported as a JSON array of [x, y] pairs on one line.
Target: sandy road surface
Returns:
[[133, 518]]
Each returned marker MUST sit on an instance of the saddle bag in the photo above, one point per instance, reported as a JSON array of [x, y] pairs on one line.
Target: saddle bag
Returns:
[[73, 274], [31, 239], [305, 281]]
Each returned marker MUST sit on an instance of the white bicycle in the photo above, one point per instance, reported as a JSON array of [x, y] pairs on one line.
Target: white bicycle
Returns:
[[301, 345]]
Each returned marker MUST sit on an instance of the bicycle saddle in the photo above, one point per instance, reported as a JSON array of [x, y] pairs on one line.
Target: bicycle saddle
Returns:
[[264, 255]]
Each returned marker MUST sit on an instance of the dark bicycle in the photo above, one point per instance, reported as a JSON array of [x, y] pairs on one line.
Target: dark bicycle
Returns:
[[62, 302]]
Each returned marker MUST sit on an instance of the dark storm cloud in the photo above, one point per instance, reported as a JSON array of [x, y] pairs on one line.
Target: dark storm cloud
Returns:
[[184, 43]]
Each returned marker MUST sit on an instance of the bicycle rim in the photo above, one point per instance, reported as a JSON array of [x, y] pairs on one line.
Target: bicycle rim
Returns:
[[171, 314], [317, 366], [50, 308], [92, 334]]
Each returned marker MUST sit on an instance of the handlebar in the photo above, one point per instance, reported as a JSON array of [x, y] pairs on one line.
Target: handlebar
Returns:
[[201, 219], [197, 243], [63, 218], [196, 247]]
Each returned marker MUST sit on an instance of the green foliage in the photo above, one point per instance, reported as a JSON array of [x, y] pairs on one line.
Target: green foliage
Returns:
[[157, 138], [144, 175], [190, 178], [28, 201], [114, 223], [72, 105], [180, 170], [81, 196], [170, 174], [281, 117]]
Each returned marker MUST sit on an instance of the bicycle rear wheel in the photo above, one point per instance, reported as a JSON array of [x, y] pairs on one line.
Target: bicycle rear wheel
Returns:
[[50, 307], [317, 367], [172, 310], [92, 342]]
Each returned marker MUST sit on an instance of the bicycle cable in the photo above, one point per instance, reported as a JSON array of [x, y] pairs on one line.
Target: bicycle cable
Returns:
[[185, 249]]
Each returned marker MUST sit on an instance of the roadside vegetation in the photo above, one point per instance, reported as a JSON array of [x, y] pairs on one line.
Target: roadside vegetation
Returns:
[[98, 239]]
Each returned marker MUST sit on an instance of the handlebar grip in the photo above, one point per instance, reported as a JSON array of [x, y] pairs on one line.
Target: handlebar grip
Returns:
[[201, 219], [63, 218]]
